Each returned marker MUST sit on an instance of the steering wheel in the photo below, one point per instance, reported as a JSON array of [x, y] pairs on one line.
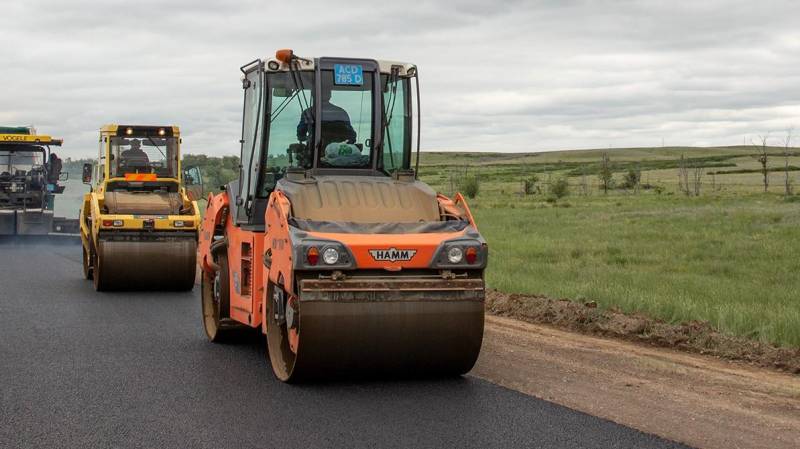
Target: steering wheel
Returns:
[[299, 155]]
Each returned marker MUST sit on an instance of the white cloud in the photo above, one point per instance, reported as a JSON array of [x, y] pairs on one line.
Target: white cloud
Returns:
[[511, 76]]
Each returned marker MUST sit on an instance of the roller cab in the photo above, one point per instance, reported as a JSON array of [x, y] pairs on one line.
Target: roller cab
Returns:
[[138, 224], [328, 242]]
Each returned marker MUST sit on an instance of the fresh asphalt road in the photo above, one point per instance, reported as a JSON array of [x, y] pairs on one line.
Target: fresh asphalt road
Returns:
[[86, 369]]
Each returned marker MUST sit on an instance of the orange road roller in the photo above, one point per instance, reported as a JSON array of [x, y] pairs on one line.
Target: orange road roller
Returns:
[[328, 242]]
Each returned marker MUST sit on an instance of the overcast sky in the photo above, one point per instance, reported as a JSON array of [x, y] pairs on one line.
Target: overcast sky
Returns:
[[496, 76]]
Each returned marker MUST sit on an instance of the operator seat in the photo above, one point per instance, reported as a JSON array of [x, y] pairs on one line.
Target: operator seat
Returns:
[[134, 157], [334, 131]]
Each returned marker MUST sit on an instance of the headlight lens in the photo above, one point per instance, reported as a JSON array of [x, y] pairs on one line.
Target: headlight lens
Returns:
[[469, 253], [455, 255], [330, 256], [321, 254]]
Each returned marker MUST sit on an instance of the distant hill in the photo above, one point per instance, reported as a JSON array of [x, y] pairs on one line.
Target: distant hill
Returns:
[[447, 158]]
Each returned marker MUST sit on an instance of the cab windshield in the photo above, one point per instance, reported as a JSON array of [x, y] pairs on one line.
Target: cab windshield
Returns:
[[20, 163], [346, 123], [346, 113], [156, 155]]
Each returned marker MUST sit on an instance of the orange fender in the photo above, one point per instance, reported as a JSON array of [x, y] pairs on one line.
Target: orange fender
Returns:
[[456, 207], [216, 215], [278, 247]]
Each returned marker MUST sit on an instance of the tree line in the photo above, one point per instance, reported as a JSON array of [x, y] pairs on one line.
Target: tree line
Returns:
[[217, 171]]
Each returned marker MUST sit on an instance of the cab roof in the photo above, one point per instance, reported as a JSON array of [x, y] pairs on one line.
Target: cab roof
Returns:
[[308, 63], [112, 128]]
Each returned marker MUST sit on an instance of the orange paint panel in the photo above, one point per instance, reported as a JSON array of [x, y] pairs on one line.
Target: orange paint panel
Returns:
[[241, 316], [239, 298], [372, 250], [215, 213], [390, 252]]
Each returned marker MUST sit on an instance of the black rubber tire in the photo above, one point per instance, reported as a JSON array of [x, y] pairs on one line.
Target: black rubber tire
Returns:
[[88, 270], [214, 314]]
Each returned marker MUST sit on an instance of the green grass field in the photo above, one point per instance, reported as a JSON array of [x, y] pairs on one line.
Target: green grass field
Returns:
[[728, 256]]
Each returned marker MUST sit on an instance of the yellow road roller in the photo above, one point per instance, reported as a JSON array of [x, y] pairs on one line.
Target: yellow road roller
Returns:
[[138, 223]]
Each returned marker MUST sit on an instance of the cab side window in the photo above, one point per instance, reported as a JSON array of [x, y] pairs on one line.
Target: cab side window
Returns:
[[286, 145], [396, 140]]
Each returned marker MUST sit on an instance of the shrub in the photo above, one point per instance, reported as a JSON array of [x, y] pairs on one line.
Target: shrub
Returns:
[[792, 199], [630, 179], [530, 185], [469, 186], [560, 188]]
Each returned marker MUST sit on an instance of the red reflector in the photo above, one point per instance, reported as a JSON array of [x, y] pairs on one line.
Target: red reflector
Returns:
[[108, 222], [471, 255], [312, 256]]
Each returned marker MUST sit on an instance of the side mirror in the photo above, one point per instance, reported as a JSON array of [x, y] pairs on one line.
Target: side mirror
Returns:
[[193, 182], [87, 174]]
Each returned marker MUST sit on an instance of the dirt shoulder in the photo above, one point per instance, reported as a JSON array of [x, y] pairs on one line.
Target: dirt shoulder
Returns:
[[697, 337], [691, 398]]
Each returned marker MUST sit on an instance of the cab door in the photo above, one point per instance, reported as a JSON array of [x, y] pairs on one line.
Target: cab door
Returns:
[[252, 141]]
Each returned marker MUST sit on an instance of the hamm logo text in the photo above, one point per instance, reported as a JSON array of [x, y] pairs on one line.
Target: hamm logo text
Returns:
[[392, 254]]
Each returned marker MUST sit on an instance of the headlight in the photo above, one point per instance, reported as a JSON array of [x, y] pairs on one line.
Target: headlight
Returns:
[[330, 256], [461, 253], [455, 255], [319, 254]]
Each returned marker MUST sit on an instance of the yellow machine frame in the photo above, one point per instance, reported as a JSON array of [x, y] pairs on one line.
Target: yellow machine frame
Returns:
[[94, 221], [92, 200]]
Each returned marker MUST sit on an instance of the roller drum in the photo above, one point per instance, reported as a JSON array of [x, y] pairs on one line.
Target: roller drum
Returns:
[[366, 338], [396, 338], [164, 264]]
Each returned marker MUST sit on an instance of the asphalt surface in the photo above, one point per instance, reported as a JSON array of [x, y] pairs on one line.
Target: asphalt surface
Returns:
[[86, 369]]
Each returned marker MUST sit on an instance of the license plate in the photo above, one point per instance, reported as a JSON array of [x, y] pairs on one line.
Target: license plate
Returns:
[[348, 74]]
